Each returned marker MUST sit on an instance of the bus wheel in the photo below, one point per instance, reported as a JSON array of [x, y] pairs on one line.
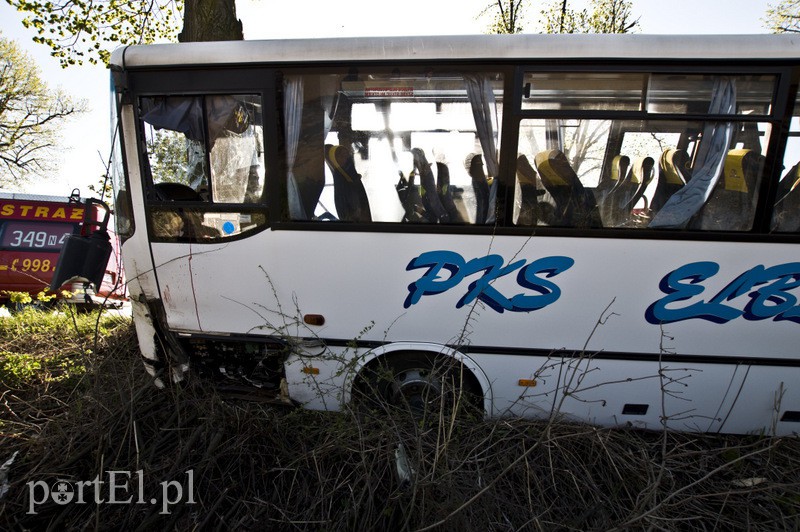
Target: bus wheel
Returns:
[[422, 384]]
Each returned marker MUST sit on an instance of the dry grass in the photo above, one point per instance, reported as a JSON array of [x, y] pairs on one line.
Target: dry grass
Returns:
[[256, 466]]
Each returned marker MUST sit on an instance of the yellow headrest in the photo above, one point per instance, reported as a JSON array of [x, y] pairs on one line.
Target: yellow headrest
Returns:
[[525, 172], [554, 169], [642, 170], [619, 167], [734, 171], [670, 161], [337, 156], [796, 178]]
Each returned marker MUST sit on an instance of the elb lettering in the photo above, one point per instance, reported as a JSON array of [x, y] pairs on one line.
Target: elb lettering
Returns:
[[760, 293], [447, 269]]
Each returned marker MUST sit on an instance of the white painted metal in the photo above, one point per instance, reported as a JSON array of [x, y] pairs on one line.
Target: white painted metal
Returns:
[[358, 281]]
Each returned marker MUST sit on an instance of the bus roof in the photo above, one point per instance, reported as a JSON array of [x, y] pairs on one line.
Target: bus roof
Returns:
[[464, 47]]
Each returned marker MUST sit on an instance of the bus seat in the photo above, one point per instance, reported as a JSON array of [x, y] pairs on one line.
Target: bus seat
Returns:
[[606, 190], [642, 173], [480, 183], [619, 203], [530, 209], [434, 210], [786, 215], [575, 206], [673, 173], [731, 205], [408, 192], [349, 194], [180, 222], [445, 192], [613, 176], [175, 192]]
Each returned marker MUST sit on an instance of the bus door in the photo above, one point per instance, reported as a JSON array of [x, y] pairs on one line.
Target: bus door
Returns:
[[204, 191]]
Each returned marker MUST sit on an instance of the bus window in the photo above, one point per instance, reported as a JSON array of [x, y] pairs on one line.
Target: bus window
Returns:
[[568, 156], [204, 152], [727, 158], [610, 170], [786, 215], [732, 201], [584, 91], [645, 191], [672, 93], [391, 146], [695, 94]]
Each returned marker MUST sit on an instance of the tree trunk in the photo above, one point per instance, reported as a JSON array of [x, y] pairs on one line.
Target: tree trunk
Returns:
[[210, 20]]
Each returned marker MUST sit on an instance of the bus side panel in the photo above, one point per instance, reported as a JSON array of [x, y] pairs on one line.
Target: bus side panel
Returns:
[[543, 293], [694, 397], [687, 396], [768, 393], [578, 321], [175, 269]]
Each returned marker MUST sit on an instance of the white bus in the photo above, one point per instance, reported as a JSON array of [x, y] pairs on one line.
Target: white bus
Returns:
[[602, 228]]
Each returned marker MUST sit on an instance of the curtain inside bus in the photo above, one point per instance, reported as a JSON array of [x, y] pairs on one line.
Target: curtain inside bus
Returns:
[[685, 203], [484, 109]]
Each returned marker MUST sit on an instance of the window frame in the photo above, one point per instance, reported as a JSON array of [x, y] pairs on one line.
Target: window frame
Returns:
[[261, 79], [202, 82], [786, 75], [508, 73]]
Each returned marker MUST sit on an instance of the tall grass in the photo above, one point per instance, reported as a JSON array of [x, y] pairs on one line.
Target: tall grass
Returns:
[[75, 404]]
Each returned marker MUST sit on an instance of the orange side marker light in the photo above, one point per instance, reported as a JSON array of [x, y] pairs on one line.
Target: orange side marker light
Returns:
[[314, 319]]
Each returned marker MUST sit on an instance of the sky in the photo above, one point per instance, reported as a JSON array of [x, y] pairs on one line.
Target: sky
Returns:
[[86, 140]]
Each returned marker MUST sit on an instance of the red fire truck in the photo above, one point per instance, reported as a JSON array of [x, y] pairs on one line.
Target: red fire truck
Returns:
[[33, 229]]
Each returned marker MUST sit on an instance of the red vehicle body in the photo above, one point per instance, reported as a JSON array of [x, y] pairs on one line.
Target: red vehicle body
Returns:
[[33, 228]]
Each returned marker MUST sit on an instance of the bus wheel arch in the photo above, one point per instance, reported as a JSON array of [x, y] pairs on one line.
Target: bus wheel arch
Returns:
[[411, 374]]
